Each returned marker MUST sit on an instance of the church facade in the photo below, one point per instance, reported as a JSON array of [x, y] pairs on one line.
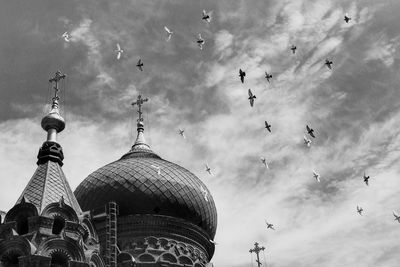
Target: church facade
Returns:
[[139, 210]]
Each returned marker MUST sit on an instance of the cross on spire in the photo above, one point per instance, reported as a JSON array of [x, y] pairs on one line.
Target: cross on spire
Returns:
[[139, 102], [257, 249], [58, 76]]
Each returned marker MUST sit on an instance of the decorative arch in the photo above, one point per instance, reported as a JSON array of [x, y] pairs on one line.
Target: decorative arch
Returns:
[[96, 260], [90, 235], [125, 259], [59, 258], [58, 225], [20, 214], [13, 248], [60, 209], [146, 257], [93, 257], [185, 260], [152, 242], [168, 257], [67, 246]]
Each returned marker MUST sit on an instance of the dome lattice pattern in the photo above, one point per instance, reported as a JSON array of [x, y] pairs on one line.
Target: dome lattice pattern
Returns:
[[134, 183]]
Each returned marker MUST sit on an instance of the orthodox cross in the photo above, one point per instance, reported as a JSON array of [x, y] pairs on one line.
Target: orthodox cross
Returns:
[[140, 101], [58, 76], [257, 251]]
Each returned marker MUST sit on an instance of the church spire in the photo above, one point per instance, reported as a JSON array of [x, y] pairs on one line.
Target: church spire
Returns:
[[140, 143], [49, 184], [53, 123]]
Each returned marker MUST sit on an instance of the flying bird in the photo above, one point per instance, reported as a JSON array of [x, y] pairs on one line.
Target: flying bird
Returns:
[[169, 33], [328, 63], [267, 126], [307, 141], [366, 178], [182, 133], [359, 210], [269, 225], [208, 169], [200, 42], [241, 75], [251, 98], [205, 192], [396, 217], [347, 18], [264, 161], [293, 48], [119, 51], [206, 16], [268, 76], [316, 176], [140, 65], [310, 131], [212, 241], [66, 37], [157, 168]]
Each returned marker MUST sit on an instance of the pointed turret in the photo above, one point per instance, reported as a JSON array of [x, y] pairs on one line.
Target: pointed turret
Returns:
[[140, 144], [48, 184]]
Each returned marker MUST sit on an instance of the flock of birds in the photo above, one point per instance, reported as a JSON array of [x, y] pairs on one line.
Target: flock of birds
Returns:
[[207, 16]]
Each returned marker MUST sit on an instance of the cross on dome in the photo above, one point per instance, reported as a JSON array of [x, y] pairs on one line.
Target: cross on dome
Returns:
[[58, 76], [139, 102]]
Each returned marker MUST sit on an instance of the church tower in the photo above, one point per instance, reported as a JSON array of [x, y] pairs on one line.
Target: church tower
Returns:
[[46, 227], [148, 211]]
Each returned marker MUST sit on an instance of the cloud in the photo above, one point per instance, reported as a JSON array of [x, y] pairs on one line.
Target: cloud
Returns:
[[352, 108]]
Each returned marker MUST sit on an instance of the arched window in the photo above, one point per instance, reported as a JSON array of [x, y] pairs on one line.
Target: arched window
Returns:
[[22, 225], [59, 259], [58, 225], [10, 259]]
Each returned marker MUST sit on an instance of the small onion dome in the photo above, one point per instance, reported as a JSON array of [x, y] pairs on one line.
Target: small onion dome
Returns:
[[53, 120]]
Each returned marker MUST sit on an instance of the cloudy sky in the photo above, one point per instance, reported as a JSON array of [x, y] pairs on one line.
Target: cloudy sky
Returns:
[[354, 109]]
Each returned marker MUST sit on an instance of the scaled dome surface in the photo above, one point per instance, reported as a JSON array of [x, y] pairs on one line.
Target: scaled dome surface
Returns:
[[135, 184]]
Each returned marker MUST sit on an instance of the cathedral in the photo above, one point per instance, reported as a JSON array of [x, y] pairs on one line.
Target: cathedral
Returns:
[[139, 210]]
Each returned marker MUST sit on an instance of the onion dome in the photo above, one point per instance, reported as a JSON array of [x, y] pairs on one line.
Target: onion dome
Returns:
[[53, 119], [142, 183]]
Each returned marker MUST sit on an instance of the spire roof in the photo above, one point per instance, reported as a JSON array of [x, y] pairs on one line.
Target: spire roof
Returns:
[[49, 184], [140, 144]]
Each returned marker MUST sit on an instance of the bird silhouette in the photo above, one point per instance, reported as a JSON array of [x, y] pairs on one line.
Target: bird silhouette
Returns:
[[242, 74], [307, 141], [359, 210], [310, 131], [316, 176], [206, 16], [169, 33], [396, 217], [66, 37], [366, 178], [208, 169], [119, 51], [268, 76], [293, 48], [267, 126], [251, 98], [328, 63], [157, 168], [204, 192], [140, 65], [347, 18], [182, 133], [200, 42], [269, 225], [264, 161]]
